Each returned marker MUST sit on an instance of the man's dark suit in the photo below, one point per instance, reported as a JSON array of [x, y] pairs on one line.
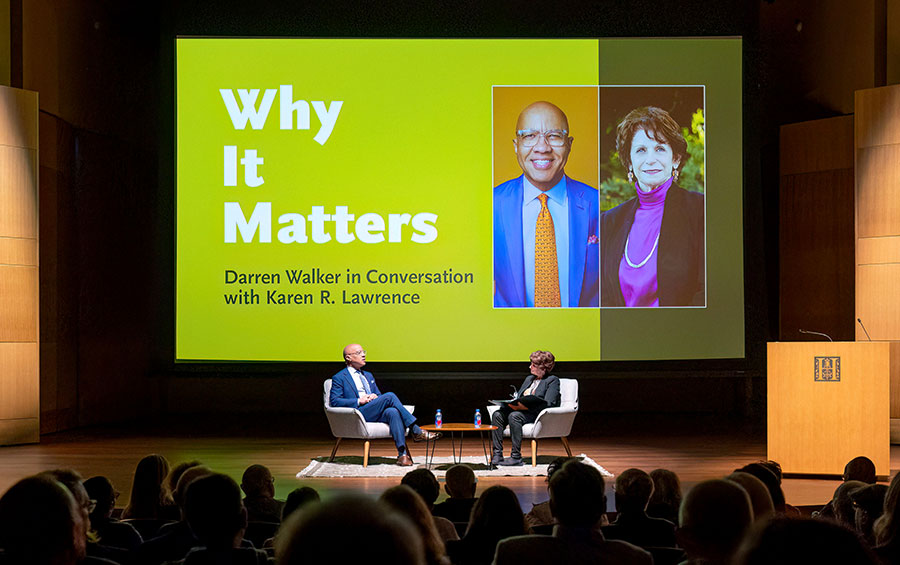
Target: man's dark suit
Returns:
[[548, 393]]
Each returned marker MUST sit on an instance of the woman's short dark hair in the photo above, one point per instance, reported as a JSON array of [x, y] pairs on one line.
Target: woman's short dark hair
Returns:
[[658, 124], [543, 360]]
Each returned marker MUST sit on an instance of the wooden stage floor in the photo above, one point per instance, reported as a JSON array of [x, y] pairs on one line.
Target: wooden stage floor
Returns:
[[115, 452]]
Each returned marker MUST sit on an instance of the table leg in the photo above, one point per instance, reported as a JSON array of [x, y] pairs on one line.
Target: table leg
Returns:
[[461, 436], [484, 449]]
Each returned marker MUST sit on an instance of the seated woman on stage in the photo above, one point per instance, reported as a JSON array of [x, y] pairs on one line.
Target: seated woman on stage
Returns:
[[540, 390]]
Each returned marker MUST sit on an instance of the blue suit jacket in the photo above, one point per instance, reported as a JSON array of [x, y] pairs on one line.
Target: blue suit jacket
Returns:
[[343, 389], [584, 248]]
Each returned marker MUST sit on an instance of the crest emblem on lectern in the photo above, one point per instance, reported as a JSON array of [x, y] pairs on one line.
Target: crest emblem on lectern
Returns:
[[828, 369]]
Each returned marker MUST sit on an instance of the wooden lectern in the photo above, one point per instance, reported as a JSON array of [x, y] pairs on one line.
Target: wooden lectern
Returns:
[[828, 403]]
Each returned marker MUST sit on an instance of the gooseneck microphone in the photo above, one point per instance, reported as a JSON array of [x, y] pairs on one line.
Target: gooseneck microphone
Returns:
[[864, 329], [816, 333]]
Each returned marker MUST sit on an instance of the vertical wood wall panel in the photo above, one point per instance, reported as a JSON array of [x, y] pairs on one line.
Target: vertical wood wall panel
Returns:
[[878, 190], [877, 153], [877, 140], [19, 282]]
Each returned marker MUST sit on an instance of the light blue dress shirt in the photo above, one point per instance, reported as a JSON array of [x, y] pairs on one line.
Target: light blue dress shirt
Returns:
[[558, 205]]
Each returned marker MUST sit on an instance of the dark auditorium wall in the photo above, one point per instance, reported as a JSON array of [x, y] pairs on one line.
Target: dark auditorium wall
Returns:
[[95, 67], [104, 73]]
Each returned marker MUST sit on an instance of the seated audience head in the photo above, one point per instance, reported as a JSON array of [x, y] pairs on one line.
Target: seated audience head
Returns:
[[42, 524], [258, 482], [557, 464], [148, 490], [187, 477], [312, 534], [786, 541], [713, 519], [297, 499], [666, 498], [576, 495], [773, 466], [73, 481], [496, 515], [424, 483], [214, 511], [860, 469], [633, 488], [868, 502], [887, 528], [176, 472], [770, 479], [404, 500], [460, 482], [104, 495], [760, 499], [844, 511]]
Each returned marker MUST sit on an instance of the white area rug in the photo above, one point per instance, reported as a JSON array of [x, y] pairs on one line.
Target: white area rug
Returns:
[[351, 466]]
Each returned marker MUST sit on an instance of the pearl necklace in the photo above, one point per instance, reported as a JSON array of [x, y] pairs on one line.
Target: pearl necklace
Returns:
[[647, 258]]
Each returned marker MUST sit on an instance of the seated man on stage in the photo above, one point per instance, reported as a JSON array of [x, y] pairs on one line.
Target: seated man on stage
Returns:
[[354, 388], [539, 391]]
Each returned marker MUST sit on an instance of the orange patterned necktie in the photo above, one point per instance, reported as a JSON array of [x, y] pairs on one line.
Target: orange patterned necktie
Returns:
[[546, 269]]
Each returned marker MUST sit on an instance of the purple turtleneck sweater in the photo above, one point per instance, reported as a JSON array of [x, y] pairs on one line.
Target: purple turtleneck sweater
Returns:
[[639, 285]]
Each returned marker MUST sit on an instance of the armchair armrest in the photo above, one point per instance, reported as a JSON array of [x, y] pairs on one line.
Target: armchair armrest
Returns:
[[554, 422], [346, 422]]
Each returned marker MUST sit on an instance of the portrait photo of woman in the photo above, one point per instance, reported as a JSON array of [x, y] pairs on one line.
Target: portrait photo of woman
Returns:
[[653, 244]]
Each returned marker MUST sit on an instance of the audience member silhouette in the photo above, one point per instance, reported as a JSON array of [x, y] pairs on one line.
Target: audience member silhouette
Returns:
[[633, 488], [760, 499], [96, 553], [404, 500], [497, 515], [349, 528], [842, 510], [426, 486], [259, 487], [110, 531], [775, 467], [41, 524], [714, 517], [214, 511], [176, 472], [150, 499], [578, 503], [792, 540], [297, 499], [860, 469], [868, 503], [887, 528], [666, 498], [540, 514], [176, 539], [460, 484], [772, 482]]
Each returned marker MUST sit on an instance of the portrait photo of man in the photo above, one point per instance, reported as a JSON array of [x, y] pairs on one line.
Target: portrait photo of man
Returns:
[[546, 247]]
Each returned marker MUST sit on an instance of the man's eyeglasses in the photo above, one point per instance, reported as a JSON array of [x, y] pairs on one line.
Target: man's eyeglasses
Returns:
[[531, 137]]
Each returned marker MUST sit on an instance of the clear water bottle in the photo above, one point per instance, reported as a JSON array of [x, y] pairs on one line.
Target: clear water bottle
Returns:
[[438, 419], [477, 417]]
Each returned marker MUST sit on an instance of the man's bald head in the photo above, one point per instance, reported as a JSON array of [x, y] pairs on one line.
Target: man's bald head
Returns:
[[355, 355], [545, 111], [542, 144]]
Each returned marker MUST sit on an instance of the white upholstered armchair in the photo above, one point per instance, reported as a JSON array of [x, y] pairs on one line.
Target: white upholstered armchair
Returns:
[[551, 422], [349, 423]]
